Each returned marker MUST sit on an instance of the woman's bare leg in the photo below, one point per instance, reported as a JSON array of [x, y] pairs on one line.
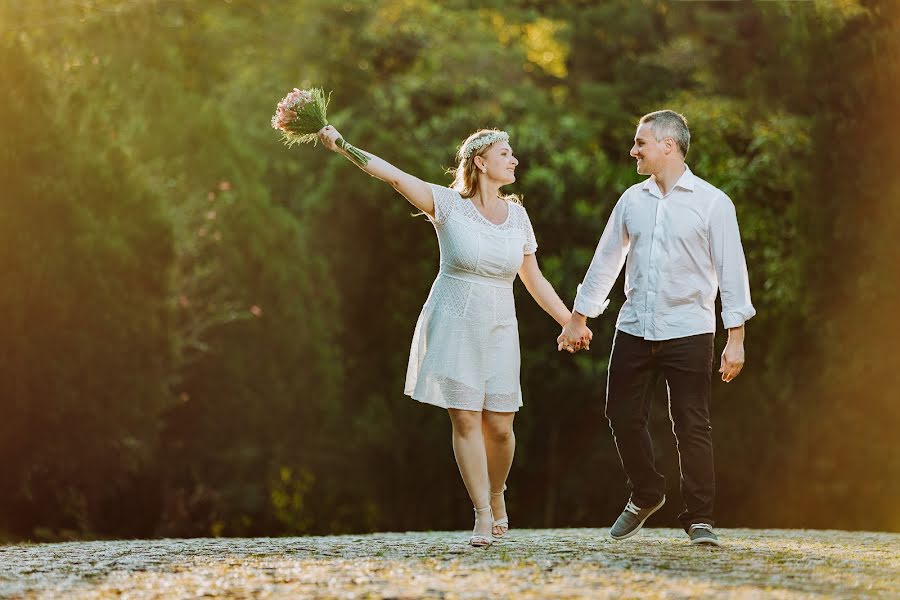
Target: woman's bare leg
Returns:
[[468, 447], [500, 446]]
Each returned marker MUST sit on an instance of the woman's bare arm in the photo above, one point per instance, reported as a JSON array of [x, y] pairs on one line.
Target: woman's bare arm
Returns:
[[416, 191]]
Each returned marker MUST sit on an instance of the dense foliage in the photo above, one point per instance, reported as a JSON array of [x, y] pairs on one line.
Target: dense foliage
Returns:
[[206, 333]]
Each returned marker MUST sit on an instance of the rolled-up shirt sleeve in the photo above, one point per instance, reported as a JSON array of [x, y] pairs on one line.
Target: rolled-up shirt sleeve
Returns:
[[591, 299], [731, 266]]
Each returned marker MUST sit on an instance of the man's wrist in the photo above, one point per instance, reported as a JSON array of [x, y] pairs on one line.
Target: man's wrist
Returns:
[[736, 334], [579, 318]]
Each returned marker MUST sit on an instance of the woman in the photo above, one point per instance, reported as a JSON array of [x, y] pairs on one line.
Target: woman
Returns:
[[465, 350]]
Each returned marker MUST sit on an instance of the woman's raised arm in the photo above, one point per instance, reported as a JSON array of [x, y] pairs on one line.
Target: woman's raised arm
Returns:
[[416, 191]]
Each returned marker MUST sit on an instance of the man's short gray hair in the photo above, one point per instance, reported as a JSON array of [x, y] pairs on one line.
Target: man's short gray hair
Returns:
[[669, 124]]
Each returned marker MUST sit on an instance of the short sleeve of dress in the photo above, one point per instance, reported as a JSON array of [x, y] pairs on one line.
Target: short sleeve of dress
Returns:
[[444, 201], [530, 241]]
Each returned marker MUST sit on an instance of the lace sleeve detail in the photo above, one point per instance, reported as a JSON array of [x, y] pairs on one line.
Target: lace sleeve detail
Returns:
[[530, 241], [444, 202]]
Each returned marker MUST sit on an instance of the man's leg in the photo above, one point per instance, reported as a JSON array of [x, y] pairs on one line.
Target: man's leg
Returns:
[[629, 390], [687, 367]]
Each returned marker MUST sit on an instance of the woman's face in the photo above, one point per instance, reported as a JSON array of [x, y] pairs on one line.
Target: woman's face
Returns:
[[498, 163]]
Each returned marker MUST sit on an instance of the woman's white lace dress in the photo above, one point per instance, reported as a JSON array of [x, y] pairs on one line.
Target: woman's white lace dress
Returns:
[[465, 350]]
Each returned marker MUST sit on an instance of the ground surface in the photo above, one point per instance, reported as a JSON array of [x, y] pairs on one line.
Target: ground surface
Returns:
[[557, 563]]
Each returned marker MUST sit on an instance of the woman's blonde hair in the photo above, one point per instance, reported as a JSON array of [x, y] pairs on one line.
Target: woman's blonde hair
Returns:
[[465, 175]]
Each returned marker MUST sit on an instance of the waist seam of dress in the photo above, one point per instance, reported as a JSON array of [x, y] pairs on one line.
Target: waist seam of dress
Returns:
[[472, 277]]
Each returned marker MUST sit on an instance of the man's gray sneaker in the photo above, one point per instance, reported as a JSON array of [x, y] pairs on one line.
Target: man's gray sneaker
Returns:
[[632, 519], [701, 533]]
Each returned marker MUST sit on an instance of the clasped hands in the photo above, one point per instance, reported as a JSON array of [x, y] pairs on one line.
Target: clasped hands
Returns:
[[575, 335]]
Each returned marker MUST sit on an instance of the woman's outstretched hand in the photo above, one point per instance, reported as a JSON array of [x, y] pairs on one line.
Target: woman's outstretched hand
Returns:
[[329, 136]]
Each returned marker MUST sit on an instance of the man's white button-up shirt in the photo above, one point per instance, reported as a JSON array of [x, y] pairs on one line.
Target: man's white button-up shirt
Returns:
[[679, 250]]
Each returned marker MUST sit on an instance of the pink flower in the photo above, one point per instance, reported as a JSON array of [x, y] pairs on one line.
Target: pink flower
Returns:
[[295, 99], [284, 115]]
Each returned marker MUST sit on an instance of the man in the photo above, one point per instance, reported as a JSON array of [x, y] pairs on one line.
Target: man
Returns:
[[678, 237]]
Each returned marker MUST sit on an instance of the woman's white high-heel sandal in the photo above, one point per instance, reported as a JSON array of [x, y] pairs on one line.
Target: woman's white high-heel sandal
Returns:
[[478, 540], [503, 523]]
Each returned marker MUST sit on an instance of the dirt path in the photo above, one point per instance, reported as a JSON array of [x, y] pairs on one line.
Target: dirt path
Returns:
[[557, 563]]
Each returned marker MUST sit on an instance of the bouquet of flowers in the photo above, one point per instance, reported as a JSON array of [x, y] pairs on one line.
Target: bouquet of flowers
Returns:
[[300, 116]]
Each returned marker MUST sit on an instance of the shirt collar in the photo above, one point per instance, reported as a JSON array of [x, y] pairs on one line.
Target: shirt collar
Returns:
[[685, 182]]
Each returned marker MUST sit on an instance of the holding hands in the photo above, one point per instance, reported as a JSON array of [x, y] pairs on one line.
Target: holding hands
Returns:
[[575, 335]]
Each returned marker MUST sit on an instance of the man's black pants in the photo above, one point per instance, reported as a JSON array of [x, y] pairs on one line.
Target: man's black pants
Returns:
[[635, 366]]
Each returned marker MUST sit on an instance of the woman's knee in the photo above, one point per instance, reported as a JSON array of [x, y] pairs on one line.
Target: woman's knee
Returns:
[[465, 422], [498, 429]]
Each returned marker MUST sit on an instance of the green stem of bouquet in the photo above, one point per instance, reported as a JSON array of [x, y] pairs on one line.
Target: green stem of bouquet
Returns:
[[353, 152]]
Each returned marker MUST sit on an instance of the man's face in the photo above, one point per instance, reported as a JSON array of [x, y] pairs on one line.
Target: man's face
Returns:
[[648, 152]]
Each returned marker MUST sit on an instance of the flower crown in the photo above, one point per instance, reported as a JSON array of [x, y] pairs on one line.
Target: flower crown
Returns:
[[480, 142]]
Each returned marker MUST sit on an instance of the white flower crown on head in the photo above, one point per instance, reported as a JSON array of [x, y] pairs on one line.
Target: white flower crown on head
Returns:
[[480, 142]]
